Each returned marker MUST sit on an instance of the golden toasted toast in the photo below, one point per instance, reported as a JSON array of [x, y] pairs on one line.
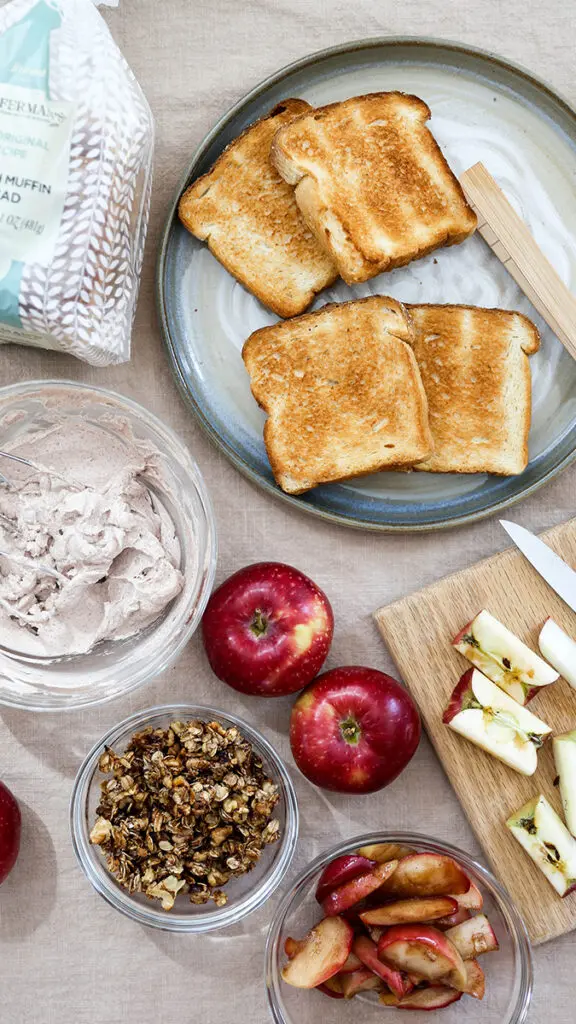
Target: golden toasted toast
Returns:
[[476, 374], [372, 183], [342, 391], [248, 216]]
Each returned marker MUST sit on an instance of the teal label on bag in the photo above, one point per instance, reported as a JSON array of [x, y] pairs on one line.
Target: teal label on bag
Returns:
[[35, 133]]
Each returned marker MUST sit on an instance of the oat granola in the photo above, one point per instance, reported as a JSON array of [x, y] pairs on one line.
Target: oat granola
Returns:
[[184, 810]]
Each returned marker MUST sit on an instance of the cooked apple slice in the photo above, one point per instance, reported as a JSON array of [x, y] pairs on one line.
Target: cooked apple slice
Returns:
[[340, 871], [332, 987], [473, 937], [559, 649], [427, 874], [321, 954], [434, 997], [352, 964], [367, 951], [424, 950], [291, 947], [362, 980], [374, 932], [488, 717], [475, 984], [345, 896], [501, 656], [388, 999], [427, 908], [547, 841], [472, 900], [451, 920], [382, 852], [565, 760]]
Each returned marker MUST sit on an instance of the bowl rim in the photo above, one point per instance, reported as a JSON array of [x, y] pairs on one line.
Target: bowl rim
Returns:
[[206, 567], [514, 922], [222, 917]]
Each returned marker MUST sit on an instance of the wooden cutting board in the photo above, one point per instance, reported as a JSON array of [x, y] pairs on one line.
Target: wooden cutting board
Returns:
[[418, 631]]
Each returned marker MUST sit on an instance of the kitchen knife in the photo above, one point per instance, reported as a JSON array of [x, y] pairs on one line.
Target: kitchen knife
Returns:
[[551, 567]]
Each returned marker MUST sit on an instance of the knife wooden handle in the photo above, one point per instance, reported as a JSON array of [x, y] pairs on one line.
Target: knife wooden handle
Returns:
[[511, 241]]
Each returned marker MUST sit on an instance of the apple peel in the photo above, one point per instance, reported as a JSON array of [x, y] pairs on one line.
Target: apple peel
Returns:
[[342, 870], [345, 896], [367, 951], [423, 950]]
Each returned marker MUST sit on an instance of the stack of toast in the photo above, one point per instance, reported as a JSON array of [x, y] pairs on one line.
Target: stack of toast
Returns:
[[355, 189]]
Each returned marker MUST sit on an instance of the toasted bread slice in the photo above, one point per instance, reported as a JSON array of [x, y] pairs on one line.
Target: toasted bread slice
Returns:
[[372, 182], [342, 391], [476, 373], [249, 217]]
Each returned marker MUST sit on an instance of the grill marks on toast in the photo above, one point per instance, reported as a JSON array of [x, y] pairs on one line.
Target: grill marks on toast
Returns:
[[342, 391], [248, 216], [372, 182], [476, 374]]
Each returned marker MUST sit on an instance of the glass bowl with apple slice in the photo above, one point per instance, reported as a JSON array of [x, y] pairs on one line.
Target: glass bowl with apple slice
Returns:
[[181, 767], [397, 922]]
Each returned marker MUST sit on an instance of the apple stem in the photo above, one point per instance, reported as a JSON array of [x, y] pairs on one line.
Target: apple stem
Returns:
[[259, 623], [350, 730]]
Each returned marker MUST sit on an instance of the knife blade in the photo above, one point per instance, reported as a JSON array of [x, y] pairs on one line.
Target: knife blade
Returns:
[[551, 567]]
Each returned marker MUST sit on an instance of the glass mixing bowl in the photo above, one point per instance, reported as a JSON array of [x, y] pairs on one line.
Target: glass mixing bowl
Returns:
[[112, 668], [245, 893], [508, 971]]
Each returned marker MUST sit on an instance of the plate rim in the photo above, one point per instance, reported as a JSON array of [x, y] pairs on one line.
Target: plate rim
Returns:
[[340, 49]]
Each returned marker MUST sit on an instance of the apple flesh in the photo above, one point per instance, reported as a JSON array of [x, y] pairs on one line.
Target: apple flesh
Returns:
[[321, 955], [427, 874], [341, 870], [10, 828], [475, 984], [427, 908], [382, 852], [368, 952], [434, 997], [423, 950], [460, 915], [362, 980], [502, 656], [471, 900], [559, 649], [353, 730], [547, 841], [473, 937], [341, 899], [564, 747], [332, 987], [267, 630], [482, 713]]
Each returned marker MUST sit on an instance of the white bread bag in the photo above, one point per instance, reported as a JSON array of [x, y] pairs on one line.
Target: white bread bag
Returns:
[[76, 141]]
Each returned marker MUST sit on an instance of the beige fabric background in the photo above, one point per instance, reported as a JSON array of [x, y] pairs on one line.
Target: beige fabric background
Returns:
[[65, 956]]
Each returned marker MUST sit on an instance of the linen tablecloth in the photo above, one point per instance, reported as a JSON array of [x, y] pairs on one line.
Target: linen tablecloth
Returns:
[[66, 957]]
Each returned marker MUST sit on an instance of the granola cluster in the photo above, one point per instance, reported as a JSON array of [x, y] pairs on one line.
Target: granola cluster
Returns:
[[184, 810]]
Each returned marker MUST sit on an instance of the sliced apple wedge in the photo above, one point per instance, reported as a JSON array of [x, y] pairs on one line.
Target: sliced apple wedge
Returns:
[[547, 841], [374, 932], [367, 951], [332, 987], [475, 984], [559, 649], [345, 896], [482, 713], [451, 920], [382, 852], [472, 900], [426, 908], [565, 761], [501, 656], [473, 937], [435, 997], [423, 950], [426, 874], [362, 980], [340, 871], [321, 954]]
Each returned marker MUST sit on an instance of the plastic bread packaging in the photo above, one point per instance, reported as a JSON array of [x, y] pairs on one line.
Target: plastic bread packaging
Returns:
[[76, 142]]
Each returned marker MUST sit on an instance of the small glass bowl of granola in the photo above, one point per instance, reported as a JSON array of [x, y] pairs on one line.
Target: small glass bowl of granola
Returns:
[[184, 818]]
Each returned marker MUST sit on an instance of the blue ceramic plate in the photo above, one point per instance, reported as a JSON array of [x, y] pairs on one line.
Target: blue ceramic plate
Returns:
[[483, 109]]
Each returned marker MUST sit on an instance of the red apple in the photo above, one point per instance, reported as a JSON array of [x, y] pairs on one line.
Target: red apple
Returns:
[[367, 952], [10, 824], [423, 950], [267, 630], [353, 730], [341, 870], [320, 955], [353, 892]]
